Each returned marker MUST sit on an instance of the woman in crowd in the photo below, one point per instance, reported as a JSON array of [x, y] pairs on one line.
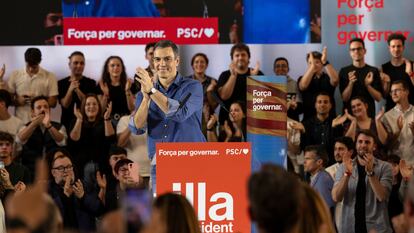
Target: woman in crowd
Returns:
[[115, 87], [233, 131], [199, 63], [172, 213], [91, 136], [360, 120]]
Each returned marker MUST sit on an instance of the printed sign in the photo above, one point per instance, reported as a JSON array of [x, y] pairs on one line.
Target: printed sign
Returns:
[[95, 31], [213, 177], [266, 119]]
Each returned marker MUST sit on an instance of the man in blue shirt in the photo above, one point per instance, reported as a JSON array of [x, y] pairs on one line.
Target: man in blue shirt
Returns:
[[170, 109]]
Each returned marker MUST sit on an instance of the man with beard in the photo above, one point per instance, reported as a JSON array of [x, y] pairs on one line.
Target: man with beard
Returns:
[[398, 68], [344, 148], [40, 135], [77, 206], [232, 83], [321, 129], [364, 185]]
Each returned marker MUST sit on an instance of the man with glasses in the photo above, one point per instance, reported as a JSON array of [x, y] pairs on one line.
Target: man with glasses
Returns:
[[77, 206], [171, 107], [294, 100], [399, 123], [359, 78], [398, 68]]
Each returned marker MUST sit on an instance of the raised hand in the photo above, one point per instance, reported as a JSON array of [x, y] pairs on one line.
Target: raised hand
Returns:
[[400, 122], [78, 189], [2, 71], [104, 87], [405, 170], [324, 57], [108, 111], [101, 180], [67, 188], [380, 114], [351, 77], [369, 78], [144, 79], [128, 84], [211, 121], [256, 69], [77, 113], [46, 119], [233, 69]]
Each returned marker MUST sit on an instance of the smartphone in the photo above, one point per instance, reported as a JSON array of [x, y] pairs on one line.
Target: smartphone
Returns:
[[1, 165], [136, 82], [136, 206]]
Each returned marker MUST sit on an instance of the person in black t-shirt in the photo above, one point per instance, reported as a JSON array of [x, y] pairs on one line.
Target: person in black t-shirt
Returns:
[[232, 84], [315, 80], [73, 88], [359, 78], [115, 87], [398, 68]]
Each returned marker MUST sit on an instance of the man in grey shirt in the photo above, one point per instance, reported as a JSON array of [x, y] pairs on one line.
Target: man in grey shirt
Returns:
[[364, 185]]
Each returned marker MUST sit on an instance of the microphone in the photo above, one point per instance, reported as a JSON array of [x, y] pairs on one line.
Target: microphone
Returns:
[[219, 101], [183, 101]]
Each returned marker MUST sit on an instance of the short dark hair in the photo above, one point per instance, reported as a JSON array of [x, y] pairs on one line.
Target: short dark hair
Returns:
[[359, 97], [324, 93], [116, 150], [270, 206], [37, 98], [199, 55], [5, 136], [167, 44], [316, 55], [356, 39], [347, 141], [280, 59], [121, 163], [5, 97], [319, 151], [368, 133], [396, 36], [33, 56], [403, 83], [393, 158], [76, 53], [148, 46], [239, 46]]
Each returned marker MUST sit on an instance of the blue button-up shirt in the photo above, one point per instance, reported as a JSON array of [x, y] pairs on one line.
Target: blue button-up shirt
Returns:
[[179, 124]]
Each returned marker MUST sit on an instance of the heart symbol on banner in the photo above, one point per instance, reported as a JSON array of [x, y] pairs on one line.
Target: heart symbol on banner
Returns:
[[245, 151], [208, 32]]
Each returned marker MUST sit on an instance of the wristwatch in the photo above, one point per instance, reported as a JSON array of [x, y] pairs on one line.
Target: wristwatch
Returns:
[[152, 91]]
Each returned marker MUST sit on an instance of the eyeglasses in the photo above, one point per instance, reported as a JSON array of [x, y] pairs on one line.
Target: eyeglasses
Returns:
[[356, 49], [68, 168], [165, 59]]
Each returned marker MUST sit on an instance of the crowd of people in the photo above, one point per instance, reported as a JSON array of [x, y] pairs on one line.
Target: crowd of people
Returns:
[[357, 163]]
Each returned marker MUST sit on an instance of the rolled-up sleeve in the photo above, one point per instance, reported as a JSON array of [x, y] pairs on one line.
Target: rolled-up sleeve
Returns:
[[192, 105]]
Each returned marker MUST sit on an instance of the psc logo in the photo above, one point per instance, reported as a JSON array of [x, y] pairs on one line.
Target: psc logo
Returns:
[[194, 32]]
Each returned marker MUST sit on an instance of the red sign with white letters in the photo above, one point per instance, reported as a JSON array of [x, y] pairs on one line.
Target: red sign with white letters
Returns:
[[99, 31], [213, 176]]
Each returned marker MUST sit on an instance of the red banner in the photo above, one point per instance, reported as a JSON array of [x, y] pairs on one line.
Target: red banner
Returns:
[[213, 177], [111, 31]]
